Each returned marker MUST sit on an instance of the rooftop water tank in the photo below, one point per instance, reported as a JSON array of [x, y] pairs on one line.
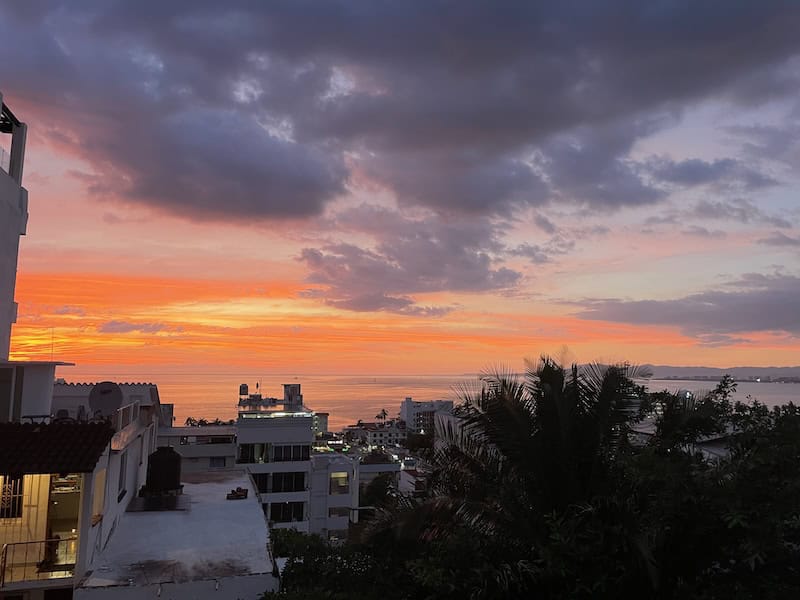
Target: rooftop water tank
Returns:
[[164, 471]]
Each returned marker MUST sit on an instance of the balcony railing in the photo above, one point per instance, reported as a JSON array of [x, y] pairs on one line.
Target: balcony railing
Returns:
[[37, 561]]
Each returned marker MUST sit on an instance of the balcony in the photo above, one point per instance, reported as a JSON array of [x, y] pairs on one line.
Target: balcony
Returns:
[[51, 560]]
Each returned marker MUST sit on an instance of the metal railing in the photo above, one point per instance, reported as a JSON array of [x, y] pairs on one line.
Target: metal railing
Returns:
[[35, 561]]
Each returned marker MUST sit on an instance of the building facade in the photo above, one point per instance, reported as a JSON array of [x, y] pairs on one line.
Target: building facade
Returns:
[[420, 417], [13, 216], [298, 488]]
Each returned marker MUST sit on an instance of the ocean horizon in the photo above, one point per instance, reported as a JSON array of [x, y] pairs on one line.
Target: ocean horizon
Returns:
[[348, 398]]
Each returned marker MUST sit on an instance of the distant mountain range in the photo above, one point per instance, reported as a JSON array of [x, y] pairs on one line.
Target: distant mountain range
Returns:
[[666, 371]]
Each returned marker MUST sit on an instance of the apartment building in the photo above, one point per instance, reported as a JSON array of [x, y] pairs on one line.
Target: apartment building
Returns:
[[419, 417], [297, 488]]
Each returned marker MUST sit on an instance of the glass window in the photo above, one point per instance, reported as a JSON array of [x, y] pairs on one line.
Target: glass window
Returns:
[[286, 512], [216, 462], [339, 511], [339, 483], [11, 497]]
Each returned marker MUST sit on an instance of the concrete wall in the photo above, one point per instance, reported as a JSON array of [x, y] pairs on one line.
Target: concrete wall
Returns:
[[13, 222]]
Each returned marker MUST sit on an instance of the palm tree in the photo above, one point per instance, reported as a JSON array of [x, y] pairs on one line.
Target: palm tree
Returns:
[[524, 454], [382, 415]]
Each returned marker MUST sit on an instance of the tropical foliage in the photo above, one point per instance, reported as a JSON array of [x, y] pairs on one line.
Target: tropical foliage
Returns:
[[576, 483]]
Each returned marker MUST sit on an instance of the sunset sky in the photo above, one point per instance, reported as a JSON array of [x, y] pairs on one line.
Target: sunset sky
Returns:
[[406, 187]]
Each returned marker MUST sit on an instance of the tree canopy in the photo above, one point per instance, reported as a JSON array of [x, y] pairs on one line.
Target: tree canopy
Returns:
[[577, 483]]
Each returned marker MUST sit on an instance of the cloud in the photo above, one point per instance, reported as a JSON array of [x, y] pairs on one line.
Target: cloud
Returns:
[[116, 326], [737, 210], [410, 256], [695, 171], [69, 310], [702, 232], [752, 303], [780, 239], [542, 253], [240, 110]]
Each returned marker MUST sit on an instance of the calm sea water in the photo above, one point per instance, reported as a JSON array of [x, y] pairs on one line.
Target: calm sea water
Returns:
[[349, 398]]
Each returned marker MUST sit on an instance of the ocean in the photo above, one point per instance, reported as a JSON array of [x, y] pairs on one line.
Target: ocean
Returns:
[[354, 397]]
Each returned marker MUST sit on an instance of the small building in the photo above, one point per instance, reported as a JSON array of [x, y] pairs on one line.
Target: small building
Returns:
[[334, 495], [202, 448], [390, 433]]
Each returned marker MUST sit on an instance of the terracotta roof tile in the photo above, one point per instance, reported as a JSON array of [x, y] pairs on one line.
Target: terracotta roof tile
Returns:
[[52, 448]]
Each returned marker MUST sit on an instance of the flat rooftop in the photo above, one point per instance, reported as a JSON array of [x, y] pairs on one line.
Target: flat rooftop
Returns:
[[215, 538]]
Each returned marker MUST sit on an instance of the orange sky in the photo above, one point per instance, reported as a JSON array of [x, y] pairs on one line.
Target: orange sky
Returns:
[[221, 197]]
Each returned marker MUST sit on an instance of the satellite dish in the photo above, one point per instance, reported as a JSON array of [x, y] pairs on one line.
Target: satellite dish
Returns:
[[105, 399]]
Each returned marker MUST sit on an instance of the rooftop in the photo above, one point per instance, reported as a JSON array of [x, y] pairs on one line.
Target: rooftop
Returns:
[[52, 448], [214, 538]]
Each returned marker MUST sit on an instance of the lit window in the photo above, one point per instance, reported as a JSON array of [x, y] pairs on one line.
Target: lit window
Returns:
[[340, 483], [10, 497]]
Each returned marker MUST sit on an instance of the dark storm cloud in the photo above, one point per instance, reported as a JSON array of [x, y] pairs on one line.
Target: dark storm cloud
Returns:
[[754, 303], [412, 256], [241, 109]]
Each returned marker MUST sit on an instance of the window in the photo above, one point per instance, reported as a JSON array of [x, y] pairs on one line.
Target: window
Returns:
[[216, 462], [253, 453], [288, 482], [262, 481], [339, 483], [123, 468], [339, 511], [286, 512], [10, 497], [292, 453]]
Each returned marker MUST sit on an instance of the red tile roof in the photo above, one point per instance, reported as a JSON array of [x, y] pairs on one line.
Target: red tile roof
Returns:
[[52, 448]]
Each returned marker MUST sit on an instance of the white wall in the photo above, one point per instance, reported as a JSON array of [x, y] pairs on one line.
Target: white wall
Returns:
[[13, 221]]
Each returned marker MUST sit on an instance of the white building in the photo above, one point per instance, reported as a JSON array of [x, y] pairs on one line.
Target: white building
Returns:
[[71, 469], [419, 417], [274, 444], [334, 495], [67, 484], [202, 448], [13, 216], [386, 434]]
